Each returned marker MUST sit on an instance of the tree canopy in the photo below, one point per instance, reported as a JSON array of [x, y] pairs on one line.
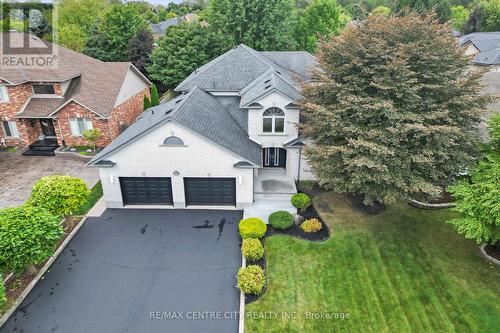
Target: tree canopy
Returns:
[[321, 18], [478, 199], [184, 48], [261, 24], [392, 110]]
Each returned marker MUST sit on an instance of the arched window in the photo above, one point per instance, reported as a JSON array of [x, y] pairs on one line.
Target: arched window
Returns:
[[173, 141], [273, 121]]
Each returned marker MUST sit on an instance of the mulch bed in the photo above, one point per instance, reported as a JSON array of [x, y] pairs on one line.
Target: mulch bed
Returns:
[[493, 251], [17, 284]]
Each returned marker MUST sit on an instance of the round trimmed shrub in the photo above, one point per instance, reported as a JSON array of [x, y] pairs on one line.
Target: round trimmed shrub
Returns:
[[311, 225], [252, 249], [252, 227], [301, 201], [60, 195], [281, 220], [28, 236], [251, 279]]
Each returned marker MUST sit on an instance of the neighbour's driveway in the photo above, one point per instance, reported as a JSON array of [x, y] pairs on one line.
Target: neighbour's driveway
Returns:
[[126, 264], [19, 173]]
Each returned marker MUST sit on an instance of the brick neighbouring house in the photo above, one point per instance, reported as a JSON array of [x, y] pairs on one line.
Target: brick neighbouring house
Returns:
[[38, 105]]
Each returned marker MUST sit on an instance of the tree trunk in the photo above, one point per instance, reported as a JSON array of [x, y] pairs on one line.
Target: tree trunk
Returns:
[[368, 200], [31, 269]]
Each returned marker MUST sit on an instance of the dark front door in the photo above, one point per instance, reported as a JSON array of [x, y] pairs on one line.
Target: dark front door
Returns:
[[210, 191], [274, 157], [48, 127], [146, 190]]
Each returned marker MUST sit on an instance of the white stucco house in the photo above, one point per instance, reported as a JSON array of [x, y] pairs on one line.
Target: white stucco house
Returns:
[[228, 138]]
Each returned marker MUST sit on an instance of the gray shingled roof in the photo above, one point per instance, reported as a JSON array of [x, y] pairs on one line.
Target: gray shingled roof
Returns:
[[242, 65], [299, 62], [265, 85], [161, 28], [95, 84], [198, 111], [488, 44]]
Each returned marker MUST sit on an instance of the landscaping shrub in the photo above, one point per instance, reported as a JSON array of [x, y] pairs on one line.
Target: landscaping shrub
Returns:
[[28, 236], [252, 249], [281, 220], [60, 195], [301, 201], [311, 225], [252, 227], [251, 279], [3, 299]]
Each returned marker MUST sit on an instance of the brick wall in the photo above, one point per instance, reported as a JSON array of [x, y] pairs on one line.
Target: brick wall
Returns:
[[126, 113], [18, 95], [75, 110]]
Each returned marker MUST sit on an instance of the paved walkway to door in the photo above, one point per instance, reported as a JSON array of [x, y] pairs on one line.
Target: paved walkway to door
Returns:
[[19, 173]]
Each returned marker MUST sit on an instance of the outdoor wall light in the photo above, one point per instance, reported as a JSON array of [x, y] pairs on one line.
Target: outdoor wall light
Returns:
[[111, 179], [176, 173]]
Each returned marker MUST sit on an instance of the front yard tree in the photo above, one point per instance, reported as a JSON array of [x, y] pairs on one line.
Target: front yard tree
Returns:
[[478, 200], [60, 195], [28, 236], [92, 136], [184, 48], [393, 109]]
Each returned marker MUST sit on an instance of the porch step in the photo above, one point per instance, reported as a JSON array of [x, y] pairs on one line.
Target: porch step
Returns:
[[40, 148], [37, 152], [265, 204]]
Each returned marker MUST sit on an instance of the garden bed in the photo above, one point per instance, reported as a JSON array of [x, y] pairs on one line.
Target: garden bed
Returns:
[[80, 150], [16, 285], [8, 149], [493, 251]]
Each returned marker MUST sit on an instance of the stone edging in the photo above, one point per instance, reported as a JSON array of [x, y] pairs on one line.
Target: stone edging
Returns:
[[424, 205], [40, 273], [241, 322], [490, 258], [59, 151]]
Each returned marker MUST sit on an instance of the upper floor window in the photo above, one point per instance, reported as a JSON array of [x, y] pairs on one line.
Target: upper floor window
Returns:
[[273, 121], [173, 141], [44, 89], [78, 125], [4, 96]]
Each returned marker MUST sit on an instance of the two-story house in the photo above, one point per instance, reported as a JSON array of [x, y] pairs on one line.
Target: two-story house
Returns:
[[45, 108], [234, 120]]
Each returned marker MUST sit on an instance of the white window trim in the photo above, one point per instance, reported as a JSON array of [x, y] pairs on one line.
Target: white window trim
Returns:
[[273, 123], [13, 130], [4, 94], [87, 121]]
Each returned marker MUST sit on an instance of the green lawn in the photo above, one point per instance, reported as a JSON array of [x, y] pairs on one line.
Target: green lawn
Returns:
[[95, 195], [401, 271]]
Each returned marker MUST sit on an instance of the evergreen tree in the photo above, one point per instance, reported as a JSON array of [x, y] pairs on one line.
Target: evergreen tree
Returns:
[[155, 100], [393, 109]]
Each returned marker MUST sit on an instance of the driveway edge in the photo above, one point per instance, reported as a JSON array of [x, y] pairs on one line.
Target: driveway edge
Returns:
[[40, 273], [241, 322]]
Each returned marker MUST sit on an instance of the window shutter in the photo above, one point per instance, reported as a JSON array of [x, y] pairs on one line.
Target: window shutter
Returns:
[[73, 125]]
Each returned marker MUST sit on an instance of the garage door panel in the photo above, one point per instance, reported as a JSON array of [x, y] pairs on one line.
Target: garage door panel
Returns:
[[146, 190], [210, 191]]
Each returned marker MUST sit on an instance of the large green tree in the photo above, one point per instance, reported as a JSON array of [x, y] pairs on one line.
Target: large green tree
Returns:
[[184, 48], [392, 110], [261, 24], [321, 18], [491, 20], [459, 17], [478, 199], [110, 37]]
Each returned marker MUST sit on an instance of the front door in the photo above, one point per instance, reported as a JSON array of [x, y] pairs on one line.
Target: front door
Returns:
[[48, 127], [274, 157]]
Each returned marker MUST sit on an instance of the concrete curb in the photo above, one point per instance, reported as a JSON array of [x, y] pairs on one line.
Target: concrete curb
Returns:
[[490, 258], [241, 323], [424, 205], [41, 272]]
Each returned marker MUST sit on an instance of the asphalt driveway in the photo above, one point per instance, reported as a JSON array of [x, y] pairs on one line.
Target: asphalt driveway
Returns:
[[140, 271], [19, 173]]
